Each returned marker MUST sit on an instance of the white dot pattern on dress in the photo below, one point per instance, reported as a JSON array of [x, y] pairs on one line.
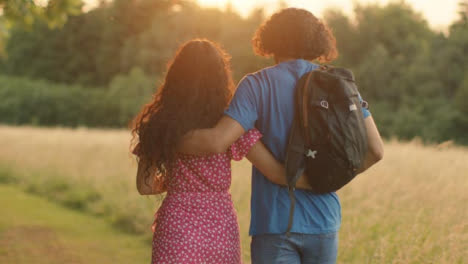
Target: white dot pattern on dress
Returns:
[[196, 222]]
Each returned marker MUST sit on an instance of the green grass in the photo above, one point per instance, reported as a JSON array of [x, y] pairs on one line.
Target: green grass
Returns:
[[34, 230], [133, 218]]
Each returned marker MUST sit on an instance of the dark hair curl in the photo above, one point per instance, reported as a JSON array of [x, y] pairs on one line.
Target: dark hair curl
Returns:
[[197, 89], [295, 33]]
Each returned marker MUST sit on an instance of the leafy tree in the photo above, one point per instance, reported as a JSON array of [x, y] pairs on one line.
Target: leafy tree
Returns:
[[142, 87], [93, 47], [462, 97], [408, 73], [26, 11], [63, 55], [414, 78]]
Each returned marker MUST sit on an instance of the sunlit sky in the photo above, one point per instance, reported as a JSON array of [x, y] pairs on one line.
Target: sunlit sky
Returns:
[[439, 13]]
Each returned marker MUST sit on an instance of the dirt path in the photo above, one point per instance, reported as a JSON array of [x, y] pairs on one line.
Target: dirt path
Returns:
[[33, 230]]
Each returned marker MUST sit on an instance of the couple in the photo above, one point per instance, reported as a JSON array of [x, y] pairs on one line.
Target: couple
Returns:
[[192, 129]]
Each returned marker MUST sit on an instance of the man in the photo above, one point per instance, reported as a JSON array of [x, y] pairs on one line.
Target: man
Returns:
[[265, 100]]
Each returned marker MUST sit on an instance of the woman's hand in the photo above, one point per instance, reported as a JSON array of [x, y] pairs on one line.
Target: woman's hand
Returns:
[[271, 168], [149, 185], [154, 183]]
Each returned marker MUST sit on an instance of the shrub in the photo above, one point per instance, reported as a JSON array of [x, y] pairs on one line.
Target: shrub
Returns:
[[38, 102]]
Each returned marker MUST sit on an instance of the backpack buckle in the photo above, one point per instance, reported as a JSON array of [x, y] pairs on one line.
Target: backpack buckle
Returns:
[[365, 104], [324, 104]]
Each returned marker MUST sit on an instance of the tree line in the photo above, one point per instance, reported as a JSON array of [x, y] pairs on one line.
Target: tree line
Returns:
[[100, 66]]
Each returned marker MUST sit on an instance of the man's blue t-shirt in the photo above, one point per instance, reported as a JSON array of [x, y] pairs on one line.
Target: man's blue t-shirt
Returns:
[[265, 100]]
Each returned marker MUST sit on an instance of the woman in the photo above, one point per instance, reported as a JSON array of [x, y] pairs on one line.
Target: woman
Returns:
[[196, 222]]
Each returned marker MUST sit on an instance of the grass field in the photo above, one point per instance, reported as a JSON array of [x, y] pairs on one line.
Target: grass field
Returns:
[[410, 208], [33, 230]]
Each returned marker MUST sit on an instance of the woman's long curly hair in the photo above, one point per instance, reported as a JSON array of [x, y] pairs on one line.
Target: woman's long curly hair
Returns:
[[196, 90], [295, 33]]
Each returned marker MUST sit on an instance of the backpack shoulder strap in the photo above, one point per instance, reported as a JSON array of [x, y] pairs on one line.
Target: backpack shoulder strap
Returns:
[[304, 92], [305, 107], [292, 198]]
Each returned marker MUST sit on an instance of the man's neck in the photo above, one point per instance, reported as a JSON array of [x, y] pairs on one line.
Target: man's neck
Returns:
[[279, 60]]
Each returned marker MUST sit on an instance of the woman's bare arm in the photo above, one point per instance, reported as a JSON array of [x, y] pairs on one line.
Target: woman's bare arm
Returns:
[[264, 161]]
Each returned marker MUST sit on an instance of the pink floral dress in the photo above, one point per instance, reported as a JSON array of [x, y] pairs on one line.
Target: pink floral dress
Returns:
[[196, 222]]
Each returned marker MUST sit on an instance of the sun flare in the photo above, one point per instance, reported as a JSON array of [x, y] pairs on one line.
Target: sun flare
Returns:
[[242, 6], [213, 2], [429, 9]]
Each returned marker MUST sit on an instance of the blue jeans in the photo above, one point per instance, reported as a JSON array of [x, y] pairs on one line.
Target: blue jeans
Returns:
[[297, 248]]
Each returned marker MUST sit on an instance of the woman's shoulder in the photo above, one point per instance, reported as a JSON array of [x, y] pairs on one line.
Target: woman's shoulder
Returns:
[[239, 149]]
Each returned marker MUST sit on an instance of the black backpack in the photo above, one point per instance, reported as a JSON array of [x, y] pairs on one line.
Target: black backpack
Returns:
[[328, 139]]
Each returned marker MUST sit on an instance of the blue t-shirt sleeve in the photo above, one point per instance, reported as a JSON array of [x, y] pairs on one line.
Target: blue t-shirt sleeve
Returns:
[[243, 107], [365, 111]]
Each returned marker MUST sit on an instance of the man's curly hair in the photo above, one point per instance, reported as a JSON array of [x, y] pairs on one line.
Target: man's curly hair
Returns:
[[295, 33]]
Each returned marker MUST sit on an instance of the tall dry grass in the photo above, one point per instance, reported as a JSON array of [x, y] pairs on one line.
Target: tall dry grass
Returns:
[[410, 208], [72, 166]]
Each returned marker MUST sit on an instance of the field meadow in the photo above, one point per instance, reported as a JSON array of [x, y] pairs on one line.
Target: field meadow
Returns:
[[35, 230], [412, 207]]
